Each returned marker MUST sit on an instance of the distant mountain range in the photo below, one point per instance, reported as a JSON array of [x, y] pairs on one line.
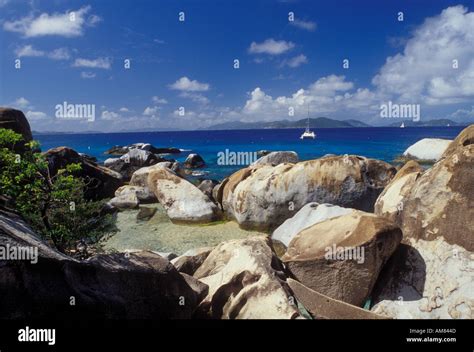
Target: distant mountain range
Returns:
[[324, 122], [319, 122], [314, 123]]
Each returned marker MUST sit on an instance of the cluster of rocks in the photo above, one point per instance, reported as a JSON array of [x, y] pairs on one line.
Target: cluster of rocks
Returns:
[[346, 232]]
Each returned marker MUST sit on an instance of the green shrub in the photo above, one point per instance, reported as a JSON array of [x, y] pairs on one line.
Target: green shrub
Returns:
[[54, 206]]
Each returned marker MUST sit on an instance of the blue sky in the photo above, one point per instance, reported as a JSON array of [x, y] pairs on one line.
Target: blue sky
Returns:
[[284, 64]]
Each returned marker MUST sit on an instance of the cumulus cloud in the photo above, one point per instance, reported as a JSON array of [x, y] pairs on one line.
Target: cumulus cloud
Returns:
[[463, 114], [102, 63], [21, 103], [195, 97], [271, 47], [295, 61], [187, 85], [327, 94], [425, 71], [109, 115], [68, 24], [157, 100], [35, 115], [60, 54], [302, 24], [30, 51], [151, 111]]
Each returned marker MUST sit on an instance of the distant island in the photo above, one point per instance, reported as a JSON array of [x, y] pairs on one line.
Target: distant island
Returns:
[[325, 122], [319, 122]]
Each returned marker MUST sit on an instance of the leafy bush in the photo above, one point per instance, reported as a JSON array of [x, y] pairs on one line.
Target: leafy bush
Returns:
[[54, 205]]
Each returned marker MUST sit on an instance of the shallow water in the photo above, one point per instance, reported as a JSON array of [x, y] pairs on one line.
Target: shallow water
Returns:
[[160, 234]]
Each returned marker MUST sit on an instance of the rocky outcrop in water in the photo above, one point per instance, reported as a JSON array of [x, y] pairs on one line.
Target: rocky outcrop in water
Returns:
[[101, 181], [194, 161], [275, 158], [121, 150], [427, 149]]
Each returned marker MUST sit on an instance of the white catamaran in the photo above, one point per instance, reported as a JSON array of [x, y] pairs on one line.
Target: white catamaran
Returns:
[[308, 134]]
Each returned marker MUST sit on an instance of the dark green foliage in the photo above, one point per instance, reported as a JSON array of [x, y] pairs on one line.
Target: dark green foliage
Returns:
[[54, 206]]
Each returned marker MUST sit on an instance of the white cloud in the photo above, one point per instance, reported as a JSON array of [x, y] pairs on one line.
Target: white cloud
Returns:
[[463, 114], [124, 109], [35, 115], [196, 97], [151, 111], [68, 24], [306, 25], [21, 103], [109, 115], [271, 47], [295, 61], [187, 85], [87, 75], [102, 63], [328, 94], [424, 72], [157, 100], [60, 54], [28, 51]]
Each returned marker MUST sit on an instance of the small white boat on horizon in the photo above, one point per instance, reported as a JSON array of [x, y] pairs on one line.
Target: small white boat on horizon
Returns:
[[308, 134], [402, 125]]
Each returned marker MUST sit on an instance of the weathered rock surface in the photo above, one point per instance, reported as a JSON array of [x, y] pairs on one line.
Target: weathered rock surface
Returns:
[[390, 202], [132, 161], [183, 201], [15, 120], [438, 202], [427, 280], [118, 286], [140, 177], [275, 158], [342, 257], [194, 161], [324, 307], [310, 214], [245, 282], [145, 213], [101, 181], [264, 196], [207, 186], [191, 260], [143, 194], [121, 150], [125, 201], [428, 149]]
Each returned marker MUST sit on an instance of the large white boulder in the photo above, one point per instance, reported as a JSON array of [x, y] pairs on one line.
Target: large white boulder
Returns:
[[429, 149], [183, 201], [310, 214]]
